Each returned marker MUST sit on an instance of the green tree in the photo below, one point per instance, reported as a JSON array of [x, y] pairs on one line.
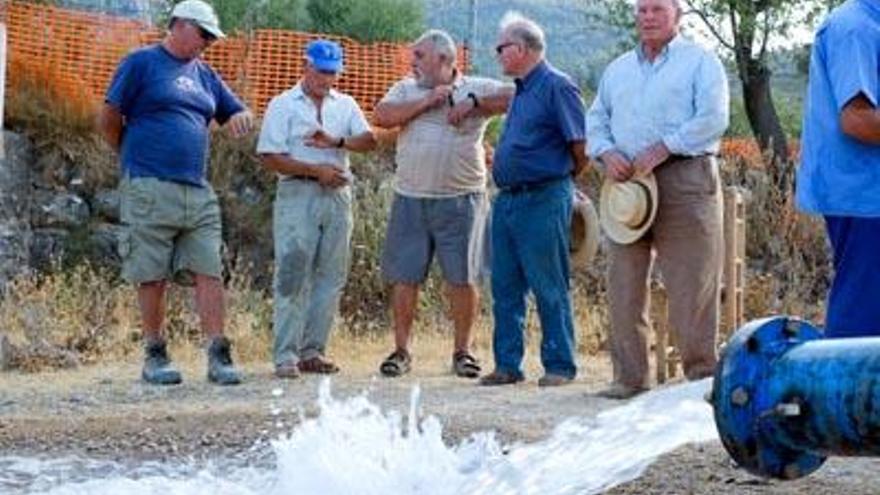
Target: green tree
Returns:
[[244, 15], [367, 20]]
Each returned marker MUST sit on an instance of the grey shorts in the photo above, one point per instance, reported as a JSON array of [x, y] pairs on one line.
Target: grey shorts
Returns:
[[453, 228], [170, 231]]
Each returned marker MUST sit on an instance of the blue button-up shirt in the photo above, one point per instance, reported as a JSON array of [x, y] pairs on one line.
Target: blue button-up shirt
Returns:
[[840, 175], [680, 98], [545, 116]]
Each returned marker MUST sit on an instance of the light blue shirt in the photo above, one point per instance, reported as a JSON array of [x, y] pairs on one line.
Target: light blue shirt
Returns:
[[680, 98], [839, 175]]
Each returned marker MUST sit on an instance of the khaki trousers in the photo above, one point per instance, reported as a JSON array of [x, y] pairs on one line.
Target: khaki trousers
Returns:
[[687, 238]]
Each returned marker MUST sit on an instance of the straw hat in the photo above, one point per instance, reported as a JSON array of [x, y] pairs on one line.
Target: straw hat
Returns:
[[627, 209], [584, 231]]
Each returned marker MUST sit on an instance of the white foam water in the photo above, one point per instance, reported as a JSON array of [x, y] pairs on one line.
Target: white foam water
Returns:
[[353, 447]]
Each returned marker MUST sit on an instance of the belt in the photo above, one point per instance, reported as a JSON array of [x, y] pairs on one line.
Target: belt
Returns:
[[300, 177], [680, 158], [529, 186]]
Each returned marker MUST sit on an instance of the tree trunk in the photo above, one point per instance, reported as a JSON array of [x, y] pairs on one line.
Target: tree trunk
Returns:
[[764, 122]]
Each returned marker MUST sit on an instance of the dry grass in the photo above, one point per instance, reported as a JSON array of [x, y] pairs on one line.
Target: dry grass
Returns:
[[85, 315]]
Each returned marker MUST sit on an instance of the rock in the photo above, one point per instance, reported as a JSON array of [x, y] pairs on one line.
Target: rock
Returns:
[[14, 176], [47, 247], [14, 206], [106, 204], [58, 209], [104, 242], [15, 241]]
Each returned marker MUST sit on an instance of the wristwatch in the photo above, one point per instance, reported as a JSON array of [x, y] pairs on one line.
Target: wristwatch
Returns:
[[474, 99]]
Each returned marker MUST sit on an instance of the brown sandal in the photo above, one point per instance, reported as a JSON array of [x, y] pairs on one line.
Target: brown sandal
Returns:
[[319, 365]]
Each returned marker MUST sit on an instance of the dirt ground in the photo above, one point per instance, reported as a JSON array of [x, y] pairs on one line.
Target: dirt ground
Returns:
[[104, 412]]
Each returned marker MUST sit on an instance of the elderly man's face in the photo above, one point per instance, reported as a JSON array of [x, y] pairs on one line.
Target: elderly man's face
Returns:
[[509, 53], [657, 20], [426, 64], [318, 82], [191, 39]]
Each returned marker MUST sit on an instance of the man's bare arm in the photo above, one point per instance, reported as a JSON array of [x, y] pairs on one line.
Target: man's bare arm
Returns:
[[361, 142], [579, 153], [495, 104], [110, 124], [326, 175], [396, 114], [861, 120]]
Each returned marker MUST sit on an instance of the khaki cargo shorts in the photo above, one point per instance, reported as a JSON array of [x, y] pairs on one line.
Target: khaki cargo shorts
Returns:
[[170, 231]]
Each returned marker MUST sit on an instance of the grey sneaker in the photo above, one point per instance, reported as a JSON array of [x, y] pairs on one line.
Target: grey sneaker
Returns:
[[158, 369], [220, 367]]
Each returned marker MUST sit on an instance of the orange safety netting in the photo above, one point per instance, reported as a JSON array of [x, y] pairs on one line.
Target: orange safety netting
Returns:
[[74, 54]]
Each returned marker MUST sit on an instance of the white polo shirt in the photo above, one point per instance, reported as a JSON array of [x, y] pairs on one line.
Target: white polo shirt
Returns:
[[292, 117]]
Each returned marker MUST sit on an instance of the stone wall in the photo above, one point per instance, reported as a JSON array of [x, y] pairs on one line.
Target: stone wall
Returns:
[[15, 207], [44, 219]]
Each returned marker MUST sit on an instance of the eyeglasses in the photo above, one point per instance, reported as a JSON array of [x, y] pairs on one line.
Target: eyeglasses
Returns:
[[500, 48]]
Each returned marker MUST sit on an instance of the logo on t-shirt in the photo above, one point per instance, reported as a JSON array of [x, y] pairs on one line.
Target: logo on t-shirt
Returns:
[[185, 84]]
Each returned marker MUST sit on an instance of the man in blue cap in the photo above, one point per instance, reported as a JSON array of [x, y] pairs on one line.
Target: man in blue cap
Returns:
[[307, 133], [839, 176]]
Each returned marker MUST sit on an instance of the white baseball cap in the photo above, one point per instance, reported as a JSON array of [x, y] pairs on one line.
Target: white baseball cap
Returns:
[[201, 13]]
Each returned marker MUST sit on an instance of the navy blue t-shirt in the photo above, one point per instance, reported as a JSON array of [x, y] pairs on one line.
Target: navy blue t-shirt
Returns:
[[168, 104], [546, 114]]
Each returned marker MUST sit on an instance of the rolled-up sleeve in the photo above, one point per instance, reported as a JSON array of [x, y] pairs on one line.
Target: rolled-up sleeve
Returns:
[[598, 118], [712, 115], [357, 121], [275, 130]]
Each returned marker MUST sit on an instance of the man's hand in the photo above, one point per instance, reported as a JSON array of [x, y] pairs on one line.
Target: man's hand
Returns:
[[650, 157], [331, 176], [460, 111], [490, 154], [439, 96], [320, 139], [617, 166], [240, 124]]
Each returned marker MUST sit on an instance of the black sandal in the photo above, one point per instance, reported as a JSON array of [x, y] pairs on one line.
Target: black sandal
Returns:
[[396, 364], [464, 365]]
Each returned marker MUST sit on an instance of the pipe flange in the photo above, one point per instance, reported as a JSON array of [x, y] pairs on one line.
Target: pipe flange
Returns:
[[742, 406]]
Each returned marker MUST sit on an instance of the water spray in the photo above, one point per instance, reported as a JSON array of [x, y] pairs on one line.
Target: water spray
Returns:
[[786, 398]]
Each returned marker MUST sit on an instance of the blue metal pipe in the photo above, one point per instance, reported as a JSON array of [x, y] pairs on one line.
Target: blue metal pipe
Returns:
[[785, 399]]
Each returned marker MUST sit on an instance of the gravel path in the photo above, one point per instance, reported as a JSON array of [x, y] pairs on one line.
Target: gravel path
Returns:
[[103, 412]]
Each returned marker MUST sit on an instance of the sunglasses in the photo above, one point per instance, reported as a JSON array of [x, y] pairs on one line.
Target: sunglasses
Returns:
[[500, 48], [326, 72], [205, 35]]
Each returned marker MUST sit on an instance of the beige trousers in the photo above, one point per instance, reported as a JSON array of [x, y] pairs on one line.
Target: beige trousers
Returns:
[[687, 238]]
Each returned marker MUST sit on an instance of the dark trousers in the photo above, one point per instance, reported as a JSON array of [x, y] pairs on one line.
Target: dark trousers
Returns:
[[854, 298]]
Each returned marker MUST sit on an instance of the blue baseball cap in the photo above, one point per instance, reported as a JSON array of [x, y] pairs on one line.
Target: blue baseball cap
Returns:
[[325, 55]]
